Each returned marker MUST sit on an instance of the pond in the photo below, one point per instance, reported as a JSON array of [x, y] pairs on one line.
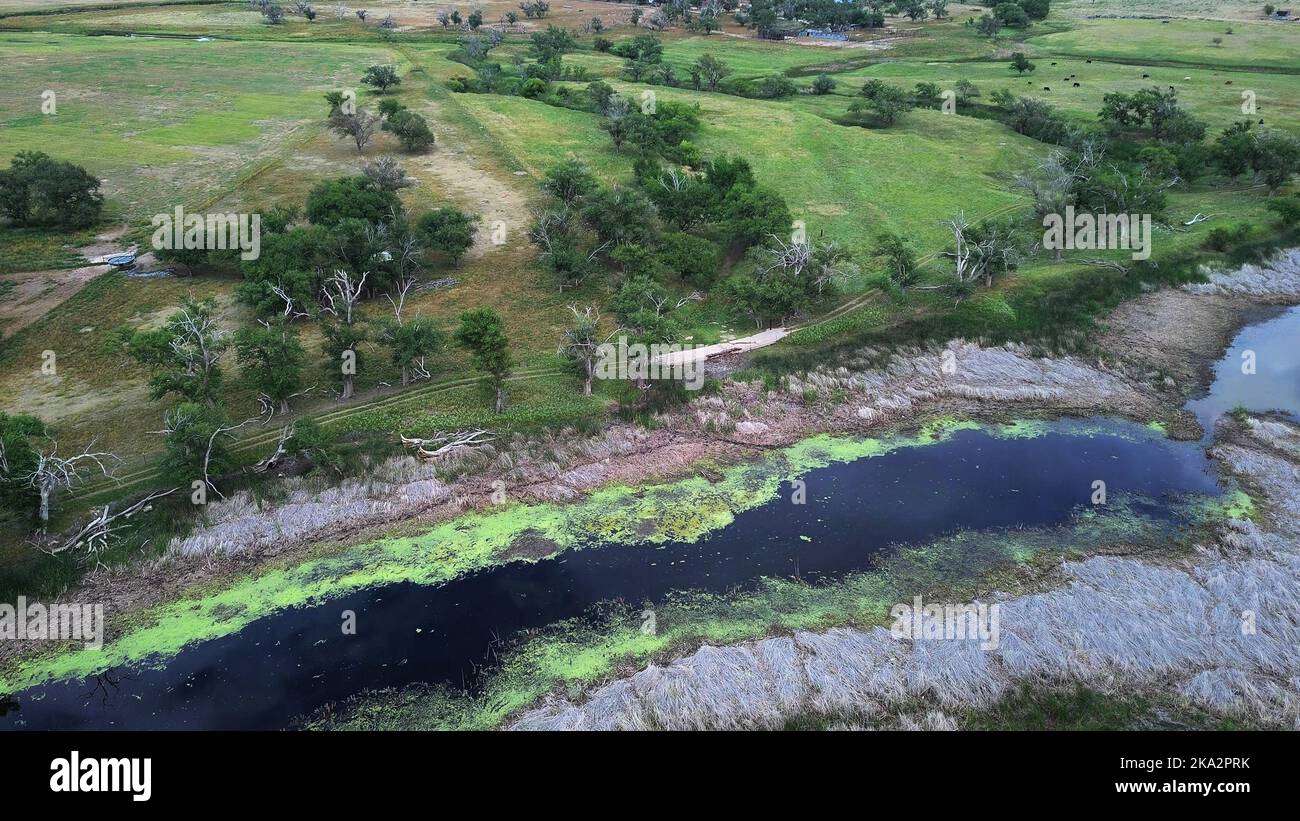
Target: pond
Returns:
[[1260, 371]]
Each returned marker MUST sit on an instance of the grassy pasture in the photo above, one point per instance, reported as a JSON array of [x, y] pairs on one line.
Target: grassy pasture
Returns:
[[167, 122], [1206, 94], [237, 124], [1184, 42]]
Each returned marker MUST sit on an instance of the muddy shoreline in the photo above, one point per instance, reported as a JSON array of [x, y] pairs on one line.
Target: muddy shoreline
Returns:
[[1145, 373]]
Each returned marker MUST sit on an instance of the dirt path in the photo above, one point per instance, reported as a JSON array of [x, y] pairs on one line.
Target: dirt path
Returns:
[[36, 293]]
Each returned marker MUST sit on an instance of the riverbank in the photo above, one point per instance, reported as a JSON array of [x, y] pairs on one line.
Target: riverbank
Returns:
[[1218, 629], [875, 393]]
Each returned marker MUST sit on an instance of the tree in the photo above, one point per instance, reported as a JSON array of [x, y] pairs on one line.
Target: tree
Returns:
[[410, 343], [272, 359], [360, 198], [381, 78], [569, 181], [982, 251], [1276, 157], [483, 333], [900, 260], [1011, 15], [927, 95], [582, 343], [620, 215], [694, 259], [185, 354], [966, 91], [195, 439], [30, 473], [1287, 210], [18, 461], [885, 103], [411, 130], [449, 230], [708, 71], [37, 190], [1021, 63], [387, 175], [1036, 9], [824, 84], [359, 126], [341, 294], [989, 26]]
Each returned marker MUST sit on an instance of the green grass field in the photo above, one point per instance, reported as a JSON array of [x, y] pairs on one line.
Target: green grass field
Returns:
[[237, 123]]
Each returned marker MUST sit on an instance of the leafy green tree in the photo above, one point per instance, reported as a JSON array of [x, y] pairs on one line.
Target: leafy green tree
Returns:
[[620, 215], [569, 181], [694, 259], [332, 201], [381, 78], [1276, 158], [37, 190], [344, 356], [1021, 63], [195, 444], [989, 26], [824, 84], [411, 130], [18, 461], [483, 333], [900, 260], [708, 71], [1036, 9], [449, 231], [1011, 15], [184, 354], [927, 95], [272, 359], [409, 343], [1287, 210], [886, 105]]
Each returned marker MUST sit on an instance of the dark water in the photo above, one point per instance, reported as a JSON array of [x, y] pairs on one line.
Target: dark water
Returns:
[[292, 662], [1275, 384]]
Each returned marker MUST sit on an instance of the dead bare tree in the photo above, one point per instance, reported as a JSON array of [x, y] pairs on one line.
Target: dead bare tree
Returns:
[[53, 473], [582, 343], [358, 125], [93, 536], [446, 442], [341, 292]]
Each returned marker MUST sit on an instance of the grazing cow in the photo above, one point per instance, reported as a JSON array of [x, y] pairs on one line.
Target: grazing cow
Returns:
[[1228, 83], [1047, 88], [1076, 85], [1146, 76]]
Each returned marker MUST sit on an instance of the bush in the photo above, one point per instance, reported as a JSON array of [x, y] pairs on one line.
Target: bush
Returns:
[[1221, 239], [411, 130], [824, 84]]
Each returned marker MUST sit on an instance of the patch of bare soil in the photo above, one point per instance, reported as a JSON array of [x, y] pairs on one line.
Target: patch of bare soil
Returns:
[[36, 293], [472, 181]]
